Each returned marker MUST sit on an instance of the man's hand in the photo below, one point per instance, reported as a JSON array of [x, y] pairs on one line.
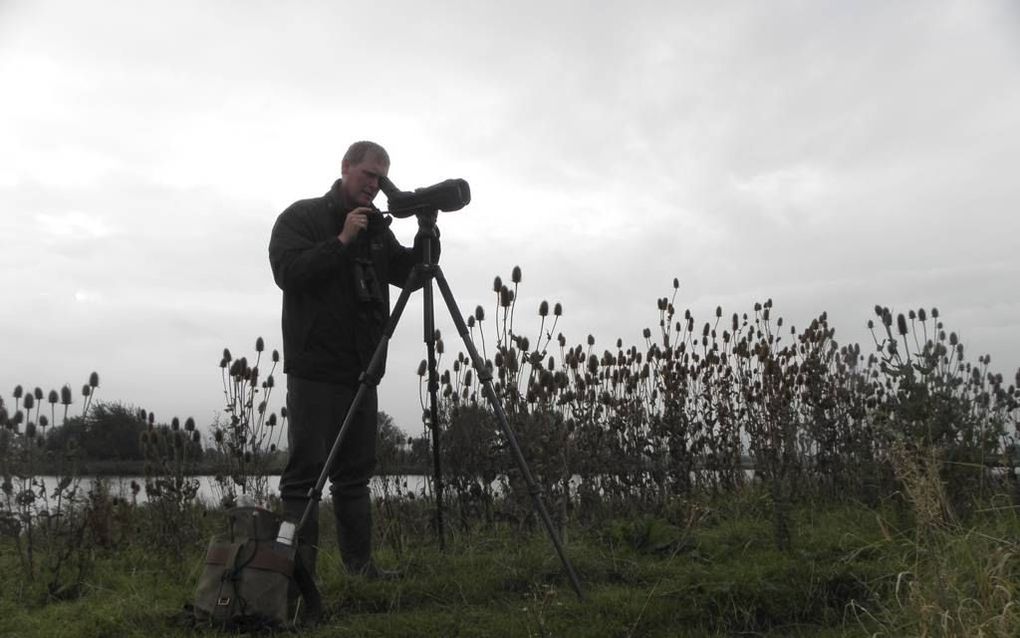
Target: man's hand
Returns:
[[356, 221]]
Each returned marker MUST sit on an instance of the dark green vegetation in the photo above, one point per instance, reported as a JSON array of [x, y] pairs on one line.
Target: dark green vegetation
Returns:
[[715, 573], [882, 499]]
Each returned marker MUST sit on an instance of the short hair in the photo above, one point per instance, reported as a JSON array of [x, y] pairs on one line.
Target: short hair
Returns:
[[359, 150]]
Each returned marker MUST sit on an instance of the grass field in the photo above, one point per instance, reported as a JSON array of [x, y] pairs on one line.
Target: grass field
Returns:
[[853, 571]]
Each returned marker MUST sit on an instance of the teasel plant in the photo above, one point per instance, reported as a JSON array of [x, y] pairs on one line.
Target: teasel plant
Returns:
[[249, 440], [930, 397], [172, 452], [46, 521], [741, 399]]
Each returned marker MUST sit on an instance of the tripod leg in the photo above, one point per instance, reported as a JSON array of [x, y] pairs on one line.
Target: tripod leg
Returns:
[[486, 379], [429, 324]]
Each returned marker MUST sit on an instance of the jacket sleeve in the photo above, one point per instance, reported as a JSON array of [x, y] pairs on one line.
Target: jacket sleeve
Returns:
[[403, 259], [297, 258]]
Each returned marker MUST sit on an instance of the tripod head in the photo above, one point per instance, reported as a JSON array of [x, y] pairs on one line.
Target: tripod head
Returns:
[[448, 195]]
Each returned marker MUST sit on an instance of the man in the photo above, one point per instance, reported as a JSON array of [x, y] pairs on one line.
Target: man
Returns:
[[332, 256]]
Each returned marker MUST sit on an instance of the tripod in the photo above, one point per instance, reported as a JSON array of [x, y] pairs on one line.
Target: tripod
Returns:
[[424, 273]]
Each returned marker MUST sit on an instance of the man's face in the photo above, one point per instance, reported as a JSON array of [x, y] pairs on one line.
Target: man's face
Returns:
[[361, 181]]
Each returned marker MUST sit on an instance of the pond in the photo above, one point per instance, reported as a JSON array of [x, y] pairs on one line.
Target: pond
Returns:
[[209, 491]]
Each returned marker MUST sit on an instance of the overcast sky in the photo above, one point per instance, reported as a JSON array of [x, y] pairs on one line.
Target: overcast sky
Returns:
[[829, 155]]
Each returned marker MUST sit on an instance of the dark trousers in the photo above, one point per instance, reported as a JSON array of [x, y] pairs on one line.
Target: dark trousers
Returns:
[[315, 412]]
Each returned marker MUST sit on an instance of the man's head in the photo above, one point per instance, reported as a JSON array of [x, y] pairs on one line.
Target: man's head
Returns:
[[363, 164]]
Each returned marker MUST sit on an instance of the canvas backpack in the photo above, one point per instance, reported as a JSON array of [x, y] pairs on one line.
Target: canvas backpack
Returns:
[[247, 573]]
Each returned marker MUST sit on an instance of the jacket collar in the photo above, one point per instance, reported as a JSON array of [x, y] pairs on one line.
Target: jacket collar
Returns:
[[337, 198]]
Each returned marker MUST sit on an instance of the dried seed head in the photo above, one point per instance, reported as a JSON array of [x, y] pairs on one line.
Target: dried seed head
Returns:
[[53, 397], [591, 340], [38, 393], [504, 297], [276, 356], [543, 309], [470, 321], [718, 311], [422, 368], [901, 324], [226, 355], [270, 382], [260, 345], [18, 391], [922, 315], [646, 333], [94, 380], [676, 283], [65, 395], [196, 437], [43, 421], [497, 284], [934, 313], [189, 424], [29, 402], [515, 275], [175, 424]]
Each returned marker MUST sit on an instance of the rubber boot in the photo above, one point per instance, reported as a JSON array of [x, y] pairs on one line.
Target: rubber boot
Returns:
[[354, 538], [354, 531]]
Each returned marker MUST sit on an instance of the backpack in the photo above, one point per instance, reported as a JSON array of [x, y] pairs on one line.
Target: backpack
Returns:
[[244, 584]]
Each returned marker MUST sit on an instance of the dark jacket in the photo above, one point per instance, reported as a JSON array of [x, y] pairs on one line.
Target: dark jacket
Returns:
[[330, 331]]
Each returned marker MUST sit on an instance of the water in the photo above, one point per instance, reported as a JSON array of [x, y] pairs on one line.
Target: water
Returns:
[[209, 491]]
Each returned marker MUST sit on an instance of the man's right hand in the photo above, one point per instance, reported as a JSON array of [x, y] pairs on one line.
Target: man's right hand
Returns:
[[356, 221]]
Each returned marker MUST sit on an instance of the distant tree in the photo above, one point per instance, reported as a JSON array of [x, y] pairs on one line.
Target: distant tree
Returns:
[[110, 431], [392, 446]]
